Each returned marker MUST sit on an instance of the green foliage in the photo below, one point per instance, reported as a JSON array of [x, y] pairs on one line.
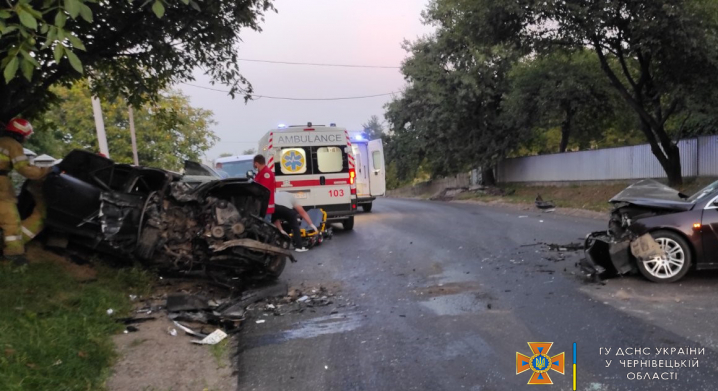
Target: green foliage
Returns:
[[169, 131], [502, 77], [567, 102], [250, 151], [373, 129], [134, 48], [55, 333]]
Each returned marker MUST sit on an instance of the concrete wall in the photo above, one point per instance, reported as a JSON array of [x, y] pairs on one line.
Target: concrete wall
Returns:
[[699, 158]]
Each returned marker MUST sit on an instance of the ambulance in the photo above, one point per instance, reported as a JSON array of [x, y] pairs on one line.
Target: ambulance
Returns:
[[315, 163], [370, 171]]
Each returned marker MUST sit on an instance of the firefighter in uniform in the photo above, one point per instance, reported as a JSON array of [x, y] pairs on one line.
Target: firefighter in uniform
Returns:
[[12, 157]]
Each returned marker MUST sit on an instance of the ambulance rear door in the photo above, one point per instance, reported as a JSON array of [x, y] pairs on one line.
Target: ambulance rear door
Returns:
[[377, 171]]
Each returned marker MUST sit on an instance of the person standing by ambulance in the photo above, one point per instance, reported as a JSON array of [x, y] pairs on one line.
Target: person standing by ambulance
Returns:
[[265, 177], [12, 156]]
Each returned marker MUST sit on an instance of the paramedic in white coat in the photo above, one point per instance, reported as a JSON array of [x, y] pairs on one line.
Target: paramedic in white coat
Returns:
[[288, 209]]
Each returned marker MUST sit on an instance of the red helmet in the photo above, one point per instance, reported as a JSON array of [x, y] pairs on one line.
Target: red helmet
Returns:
[[20, 126]]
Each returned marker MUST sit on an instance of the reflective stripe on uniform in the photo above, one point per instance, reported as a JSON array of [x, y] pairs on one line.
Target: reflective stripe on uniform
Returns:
[[29, 233], [20, 158], [13, 238], [270, 206]]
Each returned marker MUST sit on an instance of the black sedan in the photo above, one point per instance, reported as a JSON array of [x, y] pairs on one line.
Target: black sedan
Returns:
[[685, 228]]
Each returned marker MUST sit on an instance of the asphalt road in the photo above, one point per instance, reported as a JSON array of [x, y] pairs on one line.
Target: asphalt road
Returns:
[[441, 296]]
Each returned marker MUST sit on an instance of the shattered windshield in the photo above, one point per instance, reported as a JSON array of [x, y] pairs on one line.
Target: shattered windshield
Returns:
[[704, 192]]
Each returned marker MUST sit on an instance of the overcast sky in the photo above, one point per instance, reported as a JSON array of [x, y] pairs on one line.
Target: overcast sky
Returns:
[[364, 32]]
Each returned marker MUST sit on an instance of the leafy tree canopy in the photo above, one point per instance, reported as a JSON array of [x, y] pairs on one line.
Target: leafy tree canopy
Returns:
[[134, 48]]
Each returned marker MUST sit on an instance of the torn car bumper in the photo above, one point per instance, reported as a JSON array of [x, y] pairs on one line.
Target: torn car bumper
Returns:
[[606, 256]]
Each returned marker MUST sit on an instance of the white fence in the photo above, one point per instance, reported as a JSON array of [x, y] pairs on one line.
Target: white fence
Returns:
[[699, 157]]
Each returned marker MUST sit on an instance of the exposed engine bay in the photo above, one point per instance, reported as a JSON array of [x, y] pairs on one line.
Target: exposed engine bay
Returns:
[[205, 224]]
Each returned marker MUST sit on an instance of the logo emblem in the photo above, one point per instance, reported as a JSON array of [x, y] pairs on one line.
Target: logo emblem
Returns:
[[540, 363], [293, 161]]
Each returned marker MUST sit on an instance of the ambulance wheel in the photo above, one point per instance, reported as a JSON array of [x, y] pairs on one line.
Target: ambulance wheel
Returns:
[[348, 224], [366, 207]]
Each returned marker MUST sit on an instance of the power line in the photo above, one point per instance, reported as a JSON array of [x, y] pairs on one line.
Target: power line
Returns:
[[288, 98], [321, 64]]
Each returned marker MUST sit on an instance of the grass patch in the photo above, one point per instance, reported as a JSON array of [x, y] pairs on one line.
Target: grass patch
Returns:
[[55, 333], [219, 352], [580, 196]]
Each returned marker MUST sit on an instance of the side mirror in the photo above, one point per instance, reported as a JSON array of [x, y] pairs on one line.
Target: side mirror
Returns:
[[250, 174]]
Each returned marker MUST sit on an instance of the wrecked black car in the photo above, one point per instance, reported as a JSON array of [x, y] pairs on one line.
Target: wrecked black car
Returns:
[[657, 231], [187, 224]]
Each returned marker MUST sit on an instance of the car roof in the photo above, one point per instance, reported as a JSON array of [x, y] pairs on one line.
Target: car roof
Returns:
[[236, 158]]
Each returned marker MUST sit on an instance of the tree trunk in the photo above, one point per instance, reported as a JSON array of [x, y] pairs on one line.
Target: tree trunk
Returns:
[[666, 152], [673, 166], [662, 146], [566, 128], [487, 176]]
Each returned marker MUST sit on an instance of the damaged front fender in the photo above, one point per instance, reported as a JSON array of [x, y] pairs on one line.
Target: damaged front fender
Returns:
[[607, 256]]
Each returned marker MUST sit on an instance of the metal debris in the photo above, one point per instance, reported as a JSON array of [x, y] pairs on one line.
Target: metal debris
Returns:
[[216, 337]]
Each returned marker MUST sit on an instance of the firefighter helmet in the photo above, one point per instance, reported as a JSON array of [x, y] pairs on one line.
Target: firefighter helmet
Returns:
[[20, 126]]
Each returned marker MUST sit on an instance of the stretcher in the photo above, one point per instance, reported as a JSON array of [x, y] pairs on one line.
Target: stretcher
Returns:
[[310, 237]]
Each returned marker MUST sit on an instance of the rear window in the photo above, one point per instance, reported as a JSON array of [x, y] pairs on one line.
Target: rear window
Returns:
[[311, 160], [329, 159], [236, 169]]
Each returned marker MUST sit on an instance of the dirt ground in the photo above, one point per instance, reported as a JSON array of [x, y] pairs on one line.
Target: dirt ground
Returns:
[[153, 360]]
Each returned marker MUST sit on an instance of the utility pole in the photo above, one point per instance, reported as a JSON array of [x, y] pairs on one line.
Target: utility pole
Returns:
[[100, 127], [133, 137]]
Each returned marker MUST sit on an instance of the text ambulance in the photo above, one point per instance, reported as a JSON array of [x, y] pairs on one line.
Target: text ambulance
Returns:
[[316, 165]]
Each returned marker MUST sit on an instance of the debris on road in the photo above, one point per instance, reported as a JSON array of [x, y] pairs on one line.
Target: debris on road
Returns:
[[189, 331], [216, 337], [544, 205]]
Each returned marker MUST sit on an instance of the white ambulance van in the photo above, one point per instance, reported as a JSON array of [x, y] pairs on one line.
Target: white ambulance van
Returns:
[[314, 163], [370, 169], [235, 166]]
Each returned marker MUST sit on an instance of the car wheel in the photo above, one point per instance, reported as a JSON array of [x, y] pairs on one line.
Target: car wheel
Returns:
[[348, 224], [673, 265], [276, 266], [366, 207]]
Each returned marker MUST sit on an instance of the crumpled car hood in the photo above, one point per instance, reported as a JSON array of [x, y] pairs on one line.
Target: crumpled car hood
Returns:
[[653, 194]]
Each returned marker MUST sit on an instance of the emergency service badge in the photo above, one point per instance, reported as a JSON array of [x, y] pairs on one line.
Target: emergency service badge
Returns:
[[540, 363], [293, 161]]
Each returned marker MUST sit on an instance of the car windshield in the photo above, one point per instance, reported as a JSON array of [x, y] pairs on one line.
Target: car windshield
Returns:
[[704, 192], [237, 169]]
